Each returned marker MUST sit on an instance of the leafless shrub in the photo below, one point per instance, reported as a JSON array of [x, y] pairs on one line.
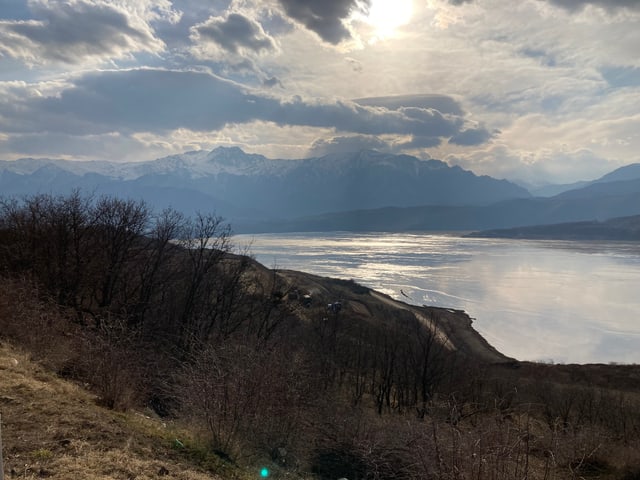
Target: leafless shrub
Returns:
[[36, 324], [249, 398], [113, 363]]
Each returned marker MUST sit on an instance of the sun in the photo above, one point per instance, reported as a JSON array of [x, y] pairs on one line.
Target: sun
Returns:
[[385, 16]]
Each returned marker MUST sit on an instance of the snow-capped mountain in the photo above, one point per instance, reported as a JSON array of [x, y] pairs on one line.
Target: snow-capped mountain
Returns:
[[193, 164], [240, 185]]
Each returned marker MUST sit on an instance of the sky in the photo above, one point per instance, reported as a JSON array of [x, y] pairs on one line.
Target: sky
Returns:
[[539, 91]]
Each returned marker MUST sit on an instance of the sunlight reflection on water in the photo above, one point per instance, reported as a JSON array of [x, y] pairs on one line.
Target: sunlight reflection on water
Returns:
[[533, 300]]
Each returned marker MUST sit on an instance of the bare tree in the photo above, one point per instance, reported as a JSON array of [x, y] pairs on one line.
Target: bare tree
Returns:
[[206, 240], [118, 226]]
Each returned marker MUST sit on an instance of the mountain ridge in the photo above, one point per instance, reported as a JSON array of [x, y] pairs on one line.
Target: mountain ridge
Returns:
[[364, 190], [627, 172], [272, 188]]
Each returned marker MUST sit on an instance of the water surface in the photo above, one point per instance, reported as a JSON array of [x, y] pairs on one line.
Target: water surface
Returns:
[[537, 300]]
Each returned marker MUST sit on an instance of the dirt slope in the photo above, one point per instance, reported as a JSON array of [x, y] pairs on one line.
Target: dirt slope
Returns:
[[453, 327]]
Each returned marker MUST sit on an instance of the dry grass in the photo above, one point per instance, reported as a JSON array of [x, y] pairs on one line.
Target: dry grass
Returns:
[[54, 429]]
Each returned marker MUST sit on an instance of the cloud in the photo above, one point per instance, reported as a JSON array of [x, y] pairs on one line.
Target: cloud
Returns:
[[355, 64], [343, 144], [65, 145], [326, 17], [235, 33], [442, 103], [574, 5], [350, 117], [272, 82], [153, 100], [72, 31], [502, 161], [148, 100], [432, 109], [471, 136], [420, 141]]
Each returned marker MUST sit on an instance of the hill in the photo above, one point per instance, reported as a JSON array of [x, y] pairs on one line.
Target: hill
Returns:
[[617, 229], [552, 421], [251, 367], [158, 312], [52, 428], [628, 172], [506, 214], [596, 202]]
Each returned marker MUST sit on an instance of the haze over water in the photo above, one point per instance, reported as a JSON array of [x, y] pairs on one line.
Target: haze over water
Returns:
[[571, 302]]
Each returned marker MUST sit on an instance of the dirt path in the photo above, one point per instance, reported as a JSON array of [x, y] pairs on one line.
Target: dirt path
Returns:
[[439, 333]]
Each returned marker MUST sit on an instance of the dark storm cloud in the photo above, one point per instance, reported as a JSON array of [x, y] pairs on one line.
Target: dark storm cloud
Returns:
[[234, 33], [441, 103], [70, 32], [151, 100], [323, 17]]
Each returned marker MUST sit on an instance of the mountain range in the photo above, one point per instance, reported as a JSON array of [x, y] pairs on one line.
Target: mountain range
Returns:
[[364, 190], [245, 186]]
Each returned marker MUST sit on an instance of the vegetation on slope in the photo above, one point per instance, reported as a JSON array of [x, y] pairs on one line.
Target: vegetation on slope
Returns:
[[156, 312], [617, 229], [52, 428]]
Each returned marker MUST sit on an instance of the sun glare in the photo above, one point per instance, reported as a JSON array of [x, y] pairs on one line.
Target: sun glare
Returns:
[[387, 15]]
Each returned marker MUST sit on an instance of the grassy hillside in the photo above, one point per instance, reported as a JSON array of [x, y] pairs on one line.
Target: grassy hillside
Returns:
[[53, 428]]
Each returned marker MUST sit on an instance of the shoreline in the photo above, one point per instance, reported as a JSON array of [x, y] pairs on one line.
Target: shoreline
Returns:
[[451, 326]]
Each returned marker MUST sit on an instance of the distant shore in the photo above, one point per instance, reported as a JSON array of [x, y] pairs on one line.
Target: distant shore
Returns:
[[618, 229]]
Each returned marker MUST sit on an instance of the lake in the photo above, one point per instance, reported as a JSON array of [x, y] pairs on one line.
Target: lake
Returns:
[[555, 301]]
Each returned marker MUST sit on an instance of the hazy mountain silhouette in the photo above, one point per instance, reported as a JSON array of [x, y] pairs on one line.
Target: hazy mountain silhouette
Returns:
[[628, 172], [593, 203], [365, 190], [244, 186]]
